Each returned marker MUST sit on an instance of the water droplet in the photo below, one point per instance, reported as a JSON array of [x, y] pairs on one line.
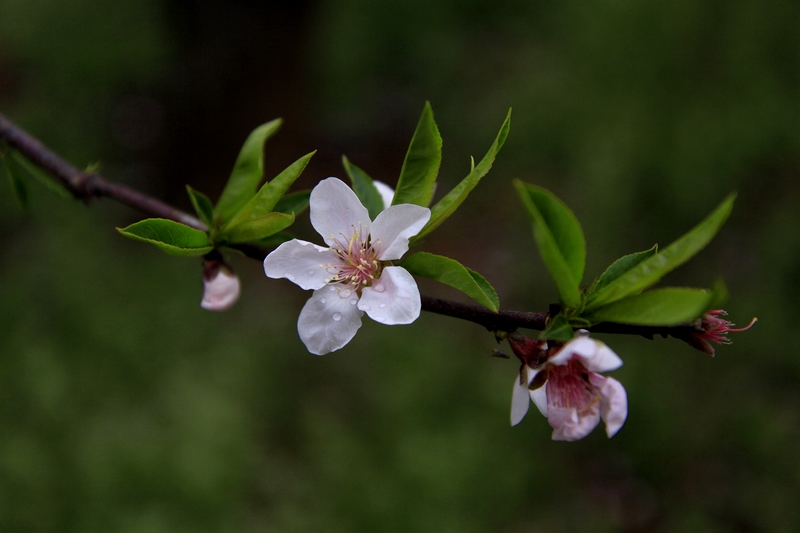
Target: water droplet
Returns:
[[346, 293], [310, 272], [382, 306], [323, 300], [331, 288], [337, 316], [353, 301], [379, 288]]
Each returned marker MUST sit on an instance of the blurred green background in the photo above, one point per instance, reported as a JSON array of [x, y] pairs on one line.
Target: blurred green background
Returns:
[[126, 407]]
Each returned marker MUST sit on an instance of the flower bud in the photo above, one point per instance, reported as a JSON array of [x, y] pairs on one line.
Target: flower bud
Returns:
[[221, 287]]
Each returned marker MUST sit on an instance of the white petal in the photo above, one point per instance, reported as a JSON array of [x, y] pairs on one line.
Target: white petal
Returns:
[[595, 356], [604, 360], [520, 399], [539, 396], [302, 263], [328, 321], [393, 298], [394, 226], [568, 425], [221, 292], [613, 402], [336, 210], [386, 192]]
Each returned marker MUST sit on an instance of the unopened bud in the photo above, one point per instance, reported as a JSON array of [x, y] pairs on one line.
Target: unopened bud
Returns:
[[221, 287]]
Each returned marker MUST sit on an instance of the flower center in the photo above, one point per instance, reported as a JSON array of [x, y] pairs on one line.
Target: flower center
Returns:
[[358, 264], [568, 387]]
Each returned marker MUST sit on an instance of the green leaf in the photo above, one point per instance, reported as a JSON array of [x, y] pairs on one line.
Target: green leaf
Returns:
[[421, 165], [171, 237], [202, 206], [26, 168], [452, 273], [670, 306], [649, 271], [273, 240], [364, 188], [622, 265], [267, 198], [258, 228], [14, 178], [294, 203], [247, 172], [559, 329], [448, 205], [560, 240]]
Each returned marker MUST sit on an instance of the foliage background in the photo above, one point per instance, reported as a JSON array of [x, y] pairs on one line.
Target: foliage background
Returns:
[[125, 407]]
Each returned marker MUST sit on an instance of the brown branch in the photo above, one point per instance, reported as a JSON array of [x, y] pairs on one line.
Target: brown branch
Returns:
[[86, 186]]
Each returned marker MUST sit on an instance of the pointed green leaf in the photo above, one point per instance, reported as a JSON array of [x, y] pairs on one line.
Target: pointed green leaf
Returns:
[[649, 271], [670, 306], [452, 273], [202, 206], [421, 165], [171, 237], [247, 172], [560, 240], [622, 265], [294, 203], [364, 188], [559, 329], [29, 170], [448, 205], [14, 178], [270, 193], [258, 228]]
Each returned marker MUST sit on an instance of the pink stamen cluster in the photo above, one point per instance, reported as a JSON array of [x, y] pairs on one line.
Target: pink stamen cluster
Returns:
[[715, 328], [568, 387], [358, 265]]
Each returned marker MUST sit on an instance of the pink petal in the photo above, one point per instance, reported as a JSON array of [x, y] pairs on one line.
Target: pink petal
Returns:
[[569, 425], [336, 210], [613, 402], [394, 226], [221, 292], [595, 356], [329, 320], [393, 298], [302, 263]]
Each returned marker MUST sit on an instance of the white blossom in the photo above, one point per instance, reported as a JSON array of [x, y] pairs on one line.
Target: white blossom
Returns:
[[351, 276]]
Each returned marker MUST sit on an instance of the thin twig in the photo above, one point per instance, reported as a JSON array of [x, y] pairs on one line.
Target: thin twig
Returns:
[[86, 186]]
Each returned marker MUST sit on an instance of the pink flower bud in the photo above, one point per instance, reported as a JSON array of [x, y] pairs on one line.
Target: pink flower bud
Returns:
[[221, 287]]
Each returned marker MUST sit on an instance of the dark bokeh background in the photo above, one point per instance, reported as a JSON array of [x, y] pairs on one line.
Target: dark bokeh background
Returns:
[[125, 407]]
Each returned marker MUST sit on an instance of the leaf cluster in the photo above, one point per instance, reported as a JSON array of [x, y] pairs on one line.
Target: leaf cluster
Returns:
[[244, 213], [620, 294]]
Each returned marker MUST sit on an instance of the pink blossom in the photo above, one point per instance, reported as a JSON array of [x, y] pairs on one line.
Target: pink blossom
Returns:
[[569, 390]]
